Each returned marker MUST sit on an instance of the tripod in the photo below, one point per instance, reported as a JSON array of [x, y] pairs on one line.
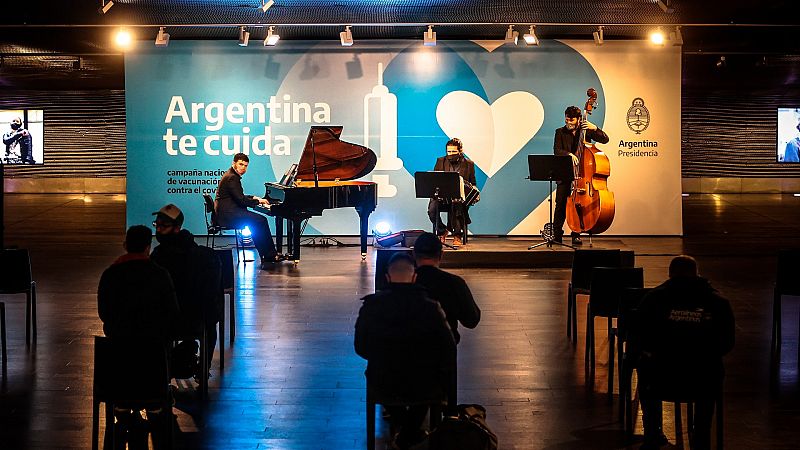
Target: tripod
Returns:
[[550, 168], [439, 200]]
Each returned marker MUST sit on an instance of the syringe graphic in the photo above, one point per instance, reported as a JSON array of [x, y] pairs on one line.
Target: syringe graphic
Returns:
[[387, 126]]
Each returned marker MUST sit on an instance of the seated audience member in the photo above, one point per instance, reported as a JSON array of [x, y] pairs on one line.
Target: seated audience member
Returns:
[[409, 349], [196, 273], [135, 300], [451, 291], [682, 331]]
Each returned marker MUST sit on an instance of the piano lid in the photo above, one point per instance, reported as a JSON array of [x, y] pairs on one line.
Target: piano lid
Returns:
[[335, 158]]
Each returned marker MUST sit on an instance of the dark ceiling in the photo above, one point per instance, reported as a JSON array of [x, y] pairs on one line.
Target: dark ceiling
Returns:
[[72, 36]]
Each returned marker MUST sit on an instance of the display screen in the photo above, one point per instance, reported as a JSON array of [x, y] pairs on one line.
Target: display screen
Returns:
[[789, 135], [23, 136]]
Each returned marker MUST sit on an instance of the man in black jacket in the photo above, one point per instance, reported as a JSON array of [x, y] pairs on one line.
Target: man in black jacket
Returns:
[[682, 331], [451, 291], [566, 142], [409, 348], [196, 273], [231, 207], [458, 213]]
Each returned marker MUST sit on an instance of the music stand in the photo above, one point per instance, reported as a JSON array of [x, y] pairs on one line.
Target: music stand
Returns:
[[439, 186], [550, 168]]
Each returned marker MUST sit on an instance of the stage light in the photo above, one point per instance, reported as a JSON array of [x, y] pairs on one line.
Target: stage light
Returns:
[[530, 36], [664, 5], [244, 37], [245, 237], [657, 37], [265, 5], [271, 38], [382, 229], [676, 37], [123, 38], [246, 232], [346, 37], [162, 38], [511, 35], [721, 62], [598, 36], [429, 37], [106, 5]]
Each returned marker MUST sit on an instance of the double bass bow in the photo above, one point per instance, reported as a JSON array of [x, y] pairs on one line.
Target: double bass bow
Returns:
[[590, 207]]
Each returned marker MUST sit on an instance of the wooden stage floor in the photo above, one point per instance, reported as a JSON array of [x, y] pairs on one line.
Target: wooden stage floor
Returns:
[[293, 381]]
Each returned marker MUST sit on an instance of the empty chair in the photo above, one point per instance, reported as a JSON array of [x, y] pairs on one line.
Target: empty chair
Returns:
[[787, 283], [607, 285], [3, 338], [629, 300], [131, 375], [582, 263], [15, 265], [213, 228]]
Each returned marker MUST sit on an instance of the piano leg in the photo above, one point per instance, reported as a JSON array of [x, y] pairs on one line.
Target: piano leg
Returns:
[[279, 235], [296, 240], [364, 221]]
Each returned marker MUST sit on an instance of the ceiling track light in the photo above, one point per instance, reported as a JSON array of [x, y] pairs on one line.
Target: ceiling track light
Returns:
[[106, 5], [530, 37], [244, 37], [511, 35], [657, 37], [266, 5], [272, 38], [598, 36], [665, 6], [346, 37], [162, 38], [676, 37], [721, 62], [429, 37]]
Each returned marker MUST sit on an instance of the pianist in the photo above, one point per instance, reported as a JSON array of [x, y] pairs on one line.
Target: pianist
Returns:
[[231, 206], [457, 216]]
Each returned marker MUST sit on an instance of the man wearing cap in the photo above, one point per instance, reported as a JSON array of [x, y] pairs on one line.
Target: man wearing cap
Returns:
[[231, 207], [196, 273]]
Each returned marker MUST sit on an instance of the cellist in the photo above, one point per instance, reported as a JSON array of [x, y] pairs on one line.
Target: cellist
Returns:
[[566, 142]]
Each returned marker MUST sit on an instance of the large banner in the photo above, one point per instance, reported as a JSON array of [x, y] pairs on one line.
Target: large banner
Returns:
[[192, 105]]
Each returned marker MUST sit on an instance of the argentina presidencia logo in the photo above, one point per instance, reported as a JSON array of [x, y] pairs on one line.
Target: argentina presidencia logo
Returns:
[[638, 117]]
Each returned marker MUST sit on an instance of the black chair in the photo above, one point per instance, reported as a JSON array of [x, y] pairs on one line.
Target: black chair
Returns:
[[15, 265], [229, 290], [630, 299], [214, 229], [582, 263], [604, 301], [690, 400], [787, 283], [205, 363], [3, 338], [130, 374]]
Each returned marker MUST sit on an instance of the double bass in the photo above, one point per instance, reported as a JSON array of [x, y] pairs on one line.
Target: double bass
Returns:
[[590, 207]]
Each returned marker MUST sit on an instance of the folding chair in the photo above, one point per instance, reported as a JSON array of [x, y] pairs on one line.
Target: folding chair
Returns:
[[15, 265]]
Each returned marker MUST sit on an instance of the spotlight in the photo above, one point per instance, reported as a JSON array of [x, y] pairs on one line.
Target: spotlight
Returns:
[[244, 37], [271, 38], [346, 37], [721, 62], [245, 238], [511, 35], [106, 5], [265, 5], [382, 229], [123, 38], [657, 37], [664, 5], [429, 37], [530, 36], [162, 38], [676, 37], [598, 36]]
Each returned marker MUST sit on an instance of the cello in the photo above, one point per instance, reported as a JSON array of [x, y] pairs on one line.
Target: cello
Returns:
[[590, 207]]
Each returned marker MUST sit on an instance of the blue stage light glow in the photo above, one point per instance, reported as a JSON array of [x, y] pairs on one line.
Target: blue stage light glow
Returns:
[[382, 229], [246, 233]]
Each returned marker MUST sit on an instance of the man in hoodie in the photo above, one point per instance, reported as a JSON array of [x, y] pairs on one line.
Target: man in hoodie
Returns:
[[683, 330], [196, 273], [409, 349]]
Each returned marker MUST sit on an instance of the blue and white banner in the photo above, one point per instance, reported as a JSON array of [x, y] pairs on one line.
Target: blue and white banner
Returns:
[[192, 105]]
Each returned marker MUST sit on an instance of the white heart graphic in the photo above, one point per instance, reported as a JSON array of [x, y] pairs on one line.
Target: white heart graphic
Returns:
[[492, 134]]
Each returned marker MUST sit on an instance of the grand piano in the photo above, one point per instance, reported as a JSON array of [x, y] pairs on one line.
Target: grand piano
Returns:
[[322, 181]]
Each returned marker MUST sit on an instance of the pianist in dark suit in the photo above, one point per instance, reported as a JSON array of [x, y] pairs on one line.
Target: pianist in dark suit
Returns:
[[458, 214], [231, 206]]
